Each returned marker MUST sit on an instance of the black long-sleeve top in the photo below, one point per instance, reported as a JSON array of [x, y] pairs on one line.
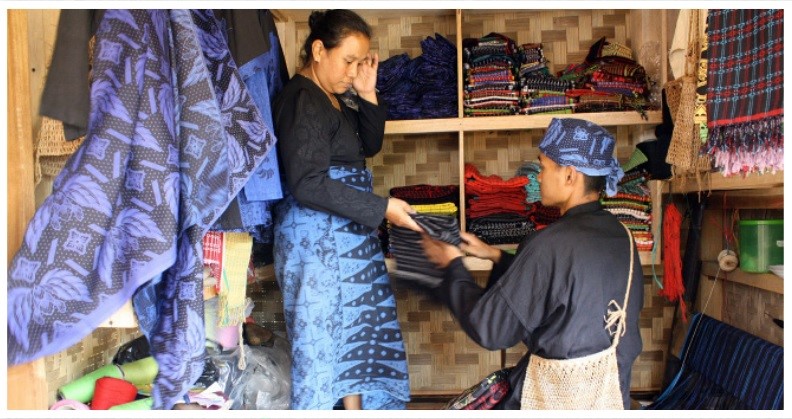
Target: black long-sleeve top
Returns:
[[553, 295], [313, 135]]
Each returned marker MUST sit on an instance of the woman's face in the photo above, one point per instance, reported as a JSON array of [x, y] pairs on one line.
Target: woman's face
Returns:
[[336, 68]]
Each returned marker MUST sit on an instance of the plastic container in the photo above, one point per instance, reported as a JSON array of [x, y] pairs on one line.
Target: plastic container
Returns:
[[761, 244]]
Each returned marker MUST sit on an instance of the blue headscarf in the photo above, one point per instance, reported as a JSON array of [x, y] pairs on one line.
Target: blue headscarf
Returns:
[[586, 146]]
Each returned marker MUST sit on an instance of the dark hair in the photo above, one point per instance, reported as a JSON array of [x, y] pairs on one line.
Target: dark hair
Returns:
[[594, 183], [331, 27]]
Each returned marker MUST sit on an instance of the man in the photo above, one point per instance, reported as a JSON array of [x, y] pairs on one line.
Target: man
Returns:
[[553, 293]]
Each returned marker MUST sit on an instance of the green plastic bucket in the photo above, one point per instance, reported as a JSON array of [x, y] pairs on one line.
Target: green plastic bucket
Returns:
[[761, 244]]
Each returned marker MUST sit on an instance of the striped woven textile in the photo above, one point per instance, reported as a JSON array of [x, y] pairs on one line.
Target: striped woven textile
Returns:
[[725, 368], [745, 90]]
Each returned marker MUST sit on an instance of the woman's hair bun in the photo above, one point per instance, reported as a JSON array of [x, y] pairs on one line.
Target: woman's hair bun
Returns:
[[315, 19]]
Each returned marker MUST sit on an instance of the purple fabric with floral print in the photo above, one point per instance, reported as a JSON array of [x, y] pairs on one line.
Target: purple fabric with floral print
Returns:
[[167, 148]]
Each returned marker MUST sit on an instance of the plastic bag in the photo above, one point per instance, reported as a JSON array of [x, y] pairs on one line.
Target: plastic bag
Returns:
[[132, 351], [265, 383]]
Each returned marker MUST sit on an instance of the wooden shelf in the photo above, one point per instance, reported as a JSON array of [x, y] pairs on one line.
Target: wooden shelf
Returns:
[[541, 121], [766, 281], [717, 182], [423, 126], [515, 122]]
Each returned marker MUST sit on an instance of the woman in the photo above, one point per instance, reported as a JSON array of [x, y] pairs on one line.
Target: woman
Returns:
[[339, 307]]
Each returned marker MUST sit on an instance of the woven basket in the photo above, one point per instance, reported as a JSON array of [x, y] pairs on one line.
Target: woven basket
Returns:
[[53, 149], [684, 151]]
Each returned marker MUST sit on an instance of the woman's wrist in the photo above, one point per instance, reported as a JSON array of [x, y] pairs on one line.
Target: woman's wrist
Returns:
[[370, 97]]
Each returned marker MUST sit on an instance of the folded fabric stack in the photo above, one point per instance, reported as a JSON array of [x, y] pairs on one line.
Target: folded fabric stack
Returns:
[[608, 80], [540, 91], [632, 205], [490, 84], [411, 261], [496, 210], [502, 228], [531, 171], [425, 87], [541, 216], [426, 194], [424, 199]]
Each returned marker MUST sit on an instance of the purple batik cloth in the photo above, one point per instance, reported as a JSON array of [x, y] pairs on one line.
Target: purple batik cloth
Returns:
[[168, 146]]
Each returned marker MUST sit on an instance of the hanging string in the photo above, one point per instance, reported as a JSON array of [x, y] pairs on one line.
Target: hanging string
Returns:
[[673, 288], [654, 251]]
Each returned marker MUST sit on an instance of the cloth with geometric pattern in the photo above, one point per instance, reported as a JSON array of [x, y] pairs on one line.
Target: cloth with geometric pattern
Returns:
[[339, 307]]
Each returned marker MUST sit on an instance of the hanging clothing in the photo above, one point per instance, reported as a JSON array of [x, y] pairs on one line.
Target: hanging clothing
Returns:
[[552, 295], [339, 307], [254, 45], [745, 90], [66, 94], [164, 154]]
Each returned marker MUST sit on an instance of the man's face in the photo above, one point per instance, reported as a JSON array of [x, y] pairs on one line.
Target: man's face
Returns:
[[551, 181]]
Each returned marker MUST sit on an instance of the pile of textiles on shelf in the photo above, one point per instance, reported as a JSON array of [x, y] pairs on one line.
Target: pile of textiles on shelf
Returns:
[[490, 84], [608, 80], [437, 212], [424, 87], [424, 199], [632, 204], [496, 209], [540, 90], [539, 215], [406, 247], [504, 78]]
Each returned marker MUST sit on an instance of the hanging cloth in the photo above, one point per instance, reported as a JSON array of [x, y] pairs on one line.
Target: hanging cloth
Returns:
[[745, 96], [673, 288], [130, 208]]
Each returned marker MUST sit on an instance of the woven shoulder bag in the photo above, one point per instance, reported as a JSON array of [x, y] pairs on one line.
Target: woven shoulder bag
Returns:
[[683, 151], [589, 382]]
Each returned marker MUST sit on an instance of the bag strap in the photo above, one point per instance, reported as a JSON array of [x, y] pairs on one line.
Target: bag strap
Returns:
[[693, 49], [618, 316]]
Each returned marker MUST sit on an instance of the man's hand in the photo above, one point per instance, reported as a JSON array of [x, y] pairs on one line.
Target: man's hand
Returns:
[[438, 252], [473, 246]]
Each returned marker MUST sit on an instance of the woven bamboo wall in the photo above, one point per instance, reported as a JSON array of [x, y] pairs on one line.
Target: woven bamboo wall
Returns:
[[441, 358], [268, 305], [394, 32], [415, 159], [750, 308], [503, 152], [566, 35]]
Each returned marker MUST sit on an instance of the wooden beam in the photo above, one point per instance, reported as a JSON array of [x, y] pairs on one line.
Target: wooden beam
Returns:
[[770, 198], [717, 182], [769, 282], [29, 389]]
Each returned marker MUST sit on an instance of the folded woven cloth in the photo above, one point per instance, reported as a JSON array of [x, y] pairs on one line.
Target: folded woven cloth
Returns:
[[426, 194], [406, 248]]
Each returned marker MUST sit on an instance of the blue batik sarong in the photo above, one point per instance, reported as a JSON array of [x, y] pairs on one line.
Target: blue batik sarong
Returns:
[[339, 307]]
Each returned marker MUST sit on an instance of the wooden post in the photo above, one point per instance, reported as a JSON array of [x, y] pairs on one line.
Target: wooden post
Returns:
[[29, 389]]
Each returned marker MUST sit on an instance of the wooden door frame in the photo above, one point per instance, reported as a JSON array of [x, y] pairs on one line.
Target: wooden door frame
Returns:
[[29, 389]]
